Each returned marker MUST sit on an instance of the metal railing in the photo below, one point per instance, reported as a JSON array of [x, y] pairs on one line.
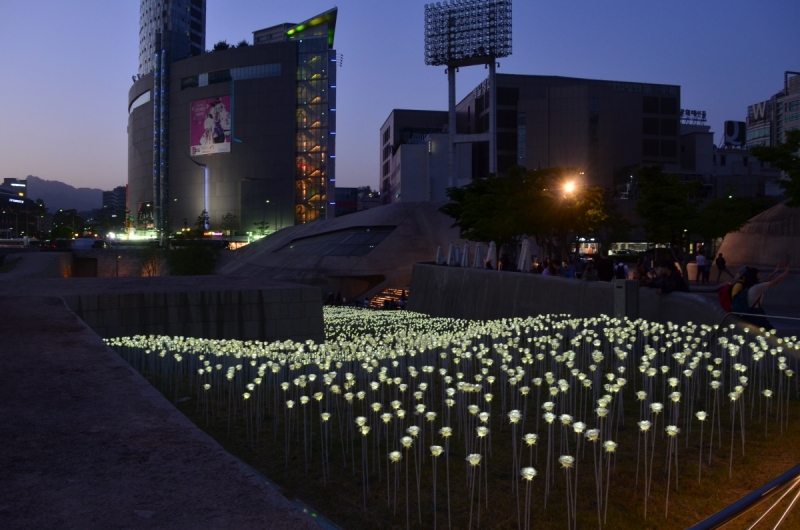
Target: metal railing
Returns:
[[788, 482]]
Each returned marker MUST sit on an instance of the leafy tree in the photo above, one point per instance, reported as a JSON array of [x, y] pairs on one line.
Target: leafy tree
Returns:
[[243, 43], [221, 45], [668, 209], [192, 260], [262, 227], [229, 223], [616, 226], [727, 214], [784, 157], [201, 223], [502, 209]]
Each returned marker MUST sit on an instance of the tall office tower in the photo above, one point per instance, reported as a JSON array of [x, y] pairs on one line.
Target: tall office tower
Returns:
[[247, 133], [179, 25]]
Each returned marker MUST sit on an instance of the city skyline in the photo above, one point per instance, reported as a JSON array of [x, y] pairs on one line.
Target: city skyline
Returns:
[[66, 90]]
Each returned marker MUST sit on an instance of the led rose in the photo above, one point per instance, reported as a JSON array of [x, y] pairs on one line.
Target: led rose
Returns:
[[514, 416], [566, 461], [528, 473], [609, 446], [644, 425], [530, 439], [701, 415], [436, 450]]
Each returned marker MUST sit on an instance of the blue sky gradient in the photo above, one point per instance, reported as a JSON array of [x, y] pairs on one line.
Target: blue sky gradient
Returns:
[[67, 67]]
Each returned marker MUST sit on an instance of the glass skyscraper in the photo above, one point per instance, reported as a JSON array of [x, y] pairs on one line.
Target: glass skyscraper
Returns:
[[180, 25]]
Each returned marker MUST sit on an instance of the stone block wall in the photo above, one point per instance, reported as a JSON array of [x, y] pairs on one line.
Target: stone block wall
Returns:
[[467, 293], [270, 314]]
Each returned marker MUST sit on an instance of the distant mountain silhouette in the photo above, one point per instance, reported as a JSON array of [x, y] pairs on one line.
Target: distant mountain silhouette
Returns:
[[57, 195]]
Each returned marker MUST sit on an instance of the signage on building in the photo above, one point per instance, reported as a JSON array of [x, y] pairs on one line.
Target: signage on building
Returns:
[[144, 216], [18, 185], [693, 116], [757, 111], [735, 133], [17, 201], [210, 129]]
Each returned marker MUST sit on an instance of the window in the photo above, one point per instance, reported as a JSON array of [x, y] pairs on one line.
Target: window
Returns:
[[650, 105], [669, 106], [669, 127], [141, 100], [793, 105], [387, 150], [792, 117], [386, 134], [349, 242], [723, 160], [386, 169], [650, 148], [650, 126], [522, 133], [669, 148]]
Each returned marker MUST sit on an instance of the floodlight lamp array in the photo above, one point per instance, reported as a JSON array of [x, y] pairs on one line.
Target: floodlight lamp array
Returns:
[[462, 31]]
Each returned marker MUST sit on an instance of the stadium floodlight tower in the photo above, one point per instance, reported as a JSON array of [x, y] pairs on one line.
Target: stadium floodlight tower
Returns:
[[468, 33]]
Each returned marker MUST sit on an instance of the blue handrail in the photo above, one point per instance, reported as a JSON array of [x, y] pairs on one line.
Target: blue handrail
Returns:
[[745, 503]]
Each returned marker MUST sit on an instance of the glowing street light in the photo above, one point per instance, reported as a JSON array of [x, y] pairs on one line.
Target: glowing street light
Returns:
[[569, 187]]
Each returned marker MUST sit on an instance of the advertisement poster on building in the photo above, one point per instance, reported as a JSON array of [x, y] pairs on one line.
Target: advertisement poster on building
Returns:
[[210, 129], [144, 216]]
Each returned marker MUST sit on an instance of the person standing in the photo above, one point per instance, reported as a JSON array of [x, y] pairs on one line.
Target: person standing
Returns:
[[748, 295], [702, 261], [621, 271], [605, 268], [721, 267]]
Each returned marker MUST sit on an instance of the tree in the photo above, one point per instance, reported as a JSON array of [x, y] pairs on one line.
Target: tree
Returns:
[[201, 223], [262, 227], [668, 209], [784, 157], [724, 215], [536, 203], [243, 43], [221, 45], [229, 223]]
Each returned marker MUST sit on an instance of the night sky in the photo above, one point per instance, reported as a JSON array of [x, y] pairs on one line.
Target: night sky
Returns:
[[67, 67]]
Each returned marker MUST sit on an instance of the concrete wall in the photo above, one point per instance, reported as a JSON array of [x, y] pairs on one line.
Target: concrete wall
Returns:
[[212, 307], [481, 294], [266, 315]]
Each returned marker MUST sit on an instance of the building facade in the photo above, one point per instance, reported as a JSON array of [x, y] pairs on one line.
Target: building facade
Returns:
[[248, 131], [768, 121], [177, 25], [603, 129]]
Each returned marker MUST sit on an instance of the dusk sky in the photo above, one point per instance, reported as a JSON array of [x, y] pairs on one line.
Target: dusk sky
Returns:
[[67, 67]]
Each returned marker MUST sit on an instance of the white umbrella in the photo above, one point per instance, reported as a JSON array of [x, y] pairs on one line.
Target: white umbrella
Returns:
[[465, 255], [451, 255], [439, 257], [524, 262], [491, 255], [478, 263], [456, 255]]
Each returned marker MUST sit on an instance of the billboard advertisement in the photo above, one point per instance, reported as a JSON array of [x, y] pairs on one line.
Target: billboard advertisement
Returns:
[[210, 129], [735, 133], [144, 216]]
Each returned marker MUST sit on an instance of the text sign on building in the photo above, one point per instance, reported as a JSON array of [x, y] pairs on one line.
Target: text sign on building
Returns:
[[735, 133], [467, 32], [210, 130]]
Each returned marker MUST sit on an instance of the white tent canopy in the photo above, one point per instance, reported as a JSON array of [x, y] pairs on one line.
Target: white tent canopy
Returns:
[[491, 255]]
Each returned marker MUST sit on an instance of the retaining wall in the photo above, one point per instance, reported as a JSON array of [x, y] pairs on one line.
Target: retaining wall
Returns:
[[211, 307], [456, 292]]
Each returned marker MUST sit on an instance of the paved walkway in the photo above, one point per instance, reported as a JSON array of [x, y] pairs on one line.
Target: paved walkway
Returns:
[[86, 442]]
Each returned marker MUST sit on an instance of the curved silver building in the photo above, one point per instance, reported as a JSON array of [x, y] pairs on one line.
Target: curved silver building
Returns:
[[182, 23]]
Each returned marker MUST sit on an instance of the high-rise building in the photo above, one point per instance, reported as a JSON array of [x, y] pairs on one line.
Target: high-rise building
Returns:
[[603, 129], [177, 25], [247, 131], [768, 121]]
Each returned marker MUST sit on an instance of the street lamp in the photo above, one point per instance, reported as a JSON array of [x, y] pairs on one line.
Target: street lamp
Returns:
[[569, 187]]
